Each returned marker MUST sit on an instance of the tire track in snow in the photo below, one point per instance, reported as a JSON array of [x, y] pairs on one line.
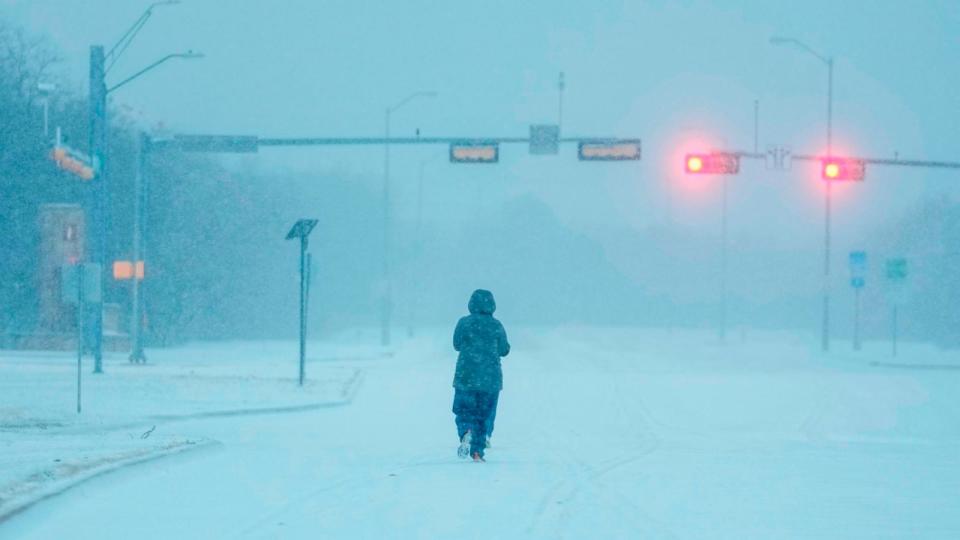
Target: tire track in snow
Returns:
[[556, 507]]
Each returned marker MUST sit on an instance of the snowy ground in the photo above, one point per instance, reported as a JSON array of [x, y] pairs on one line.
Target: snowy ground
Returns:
[[601, 434], [129, 412]]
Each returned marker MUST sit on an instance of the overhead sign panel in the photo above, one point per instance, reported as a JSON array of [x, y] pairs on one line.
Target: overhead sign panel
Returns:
[[217, 143], [620, 150], [474, 152], [544, 139]]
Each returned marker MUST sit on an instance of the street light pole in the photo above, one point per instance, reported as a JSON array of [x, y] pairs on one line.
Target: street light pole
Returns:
[[46, 89], [561, 86], [387, 295], [139, 224], [418, 251], [828, 61], [98, 147]]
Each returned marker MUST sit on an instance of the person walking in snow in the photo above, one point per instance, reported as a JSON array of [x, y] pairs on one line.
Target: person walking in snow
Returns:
[[481, 341]]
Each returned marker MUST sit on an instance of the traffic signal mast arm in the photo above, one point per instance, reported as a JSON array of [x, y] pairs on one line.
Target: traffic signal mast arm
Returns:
[[320, 141], [864, 160], [484, 148]]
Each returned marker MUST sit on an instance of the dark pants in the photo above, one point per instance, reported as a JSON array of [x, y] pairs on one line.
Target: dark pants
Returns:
[[473, 408], [493, 415]]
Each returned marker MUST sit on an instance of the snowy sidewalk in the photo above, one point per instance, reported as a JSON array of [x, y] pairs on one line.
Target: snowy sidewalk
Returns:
[[45, 446]]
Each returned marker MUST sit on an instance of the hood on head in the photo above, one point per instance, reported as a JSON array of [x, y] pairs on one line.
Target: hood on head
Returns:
[[481, 301]]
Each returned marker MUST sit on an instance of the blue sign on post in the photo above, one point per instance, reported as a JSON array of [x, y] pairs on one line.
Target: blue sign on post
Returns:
[[858, 269]]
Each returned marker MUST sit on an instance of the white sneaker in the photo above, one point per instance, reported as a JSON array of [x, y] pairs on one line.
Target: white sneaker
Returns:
[[464, 450]]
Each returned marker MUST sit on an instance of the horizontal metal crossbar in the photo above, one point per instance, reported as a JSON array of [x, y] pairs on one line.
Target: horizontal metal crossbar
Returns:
[[868, 160]]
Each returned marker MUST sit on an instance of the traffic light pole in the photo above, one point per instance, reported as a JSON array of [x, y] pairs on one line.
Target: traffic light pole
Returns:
[[827, 200], [723, 265]]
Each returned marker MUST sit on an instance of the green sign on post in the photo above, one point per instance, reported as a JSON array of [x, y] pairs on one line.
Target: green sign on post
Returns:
[[897, 269], [897, 275]]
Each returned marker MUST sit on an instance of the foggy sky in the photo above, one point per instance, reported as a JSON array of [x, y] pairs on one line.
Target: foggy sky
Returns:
[[679, 75]]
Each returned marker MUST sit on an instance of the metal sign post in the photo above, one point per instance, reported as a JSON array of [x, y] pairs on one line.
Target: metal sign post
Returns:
[[301, 229], [80, 302], [80, 285], [858, 273], [897, 275]]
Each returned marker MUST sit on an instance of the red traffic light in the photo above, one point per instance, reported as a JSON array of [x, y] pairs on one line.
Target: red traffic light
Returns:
[[842, 169], [713, 163]]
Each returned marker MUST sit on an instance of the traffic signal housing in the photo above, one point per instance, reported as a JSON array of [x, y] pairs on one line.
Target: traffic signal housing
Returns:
[[842, 169], [712, 163]]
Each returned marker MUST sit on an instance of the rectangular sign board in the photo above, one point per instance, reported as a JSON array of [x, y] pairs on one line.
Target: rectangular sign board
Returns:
[[897, 269], [71, 277], [544, 139], [858, 269], [474, 152], [609, 150]]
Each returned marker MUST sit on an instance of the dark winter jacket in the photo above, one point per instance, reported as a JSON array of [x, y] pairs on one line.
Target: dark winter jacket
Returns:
[[481, 341]]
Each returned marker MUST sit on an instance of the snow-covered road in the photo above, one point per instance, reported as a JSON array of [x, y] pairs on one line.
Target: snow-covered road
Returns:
[[601, 434]]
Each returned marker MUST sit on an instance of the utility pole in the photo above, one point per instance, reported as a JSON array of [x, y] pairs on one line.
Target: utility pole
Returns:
[[97, 201]]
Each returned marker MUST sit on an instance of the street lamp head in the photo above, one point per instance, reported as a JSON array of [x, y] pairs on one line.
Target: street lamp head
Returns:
[[191, 55], [778, 40]]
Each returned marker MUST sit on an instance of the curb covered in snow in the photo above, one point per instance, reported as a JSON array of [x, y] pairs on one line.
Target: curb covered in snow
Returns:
[[42, 486]]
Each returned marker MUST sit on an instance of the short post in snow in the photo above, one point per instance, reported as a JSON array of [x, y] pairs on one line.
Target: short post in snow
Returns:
[[858, 273], [301, 229]]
